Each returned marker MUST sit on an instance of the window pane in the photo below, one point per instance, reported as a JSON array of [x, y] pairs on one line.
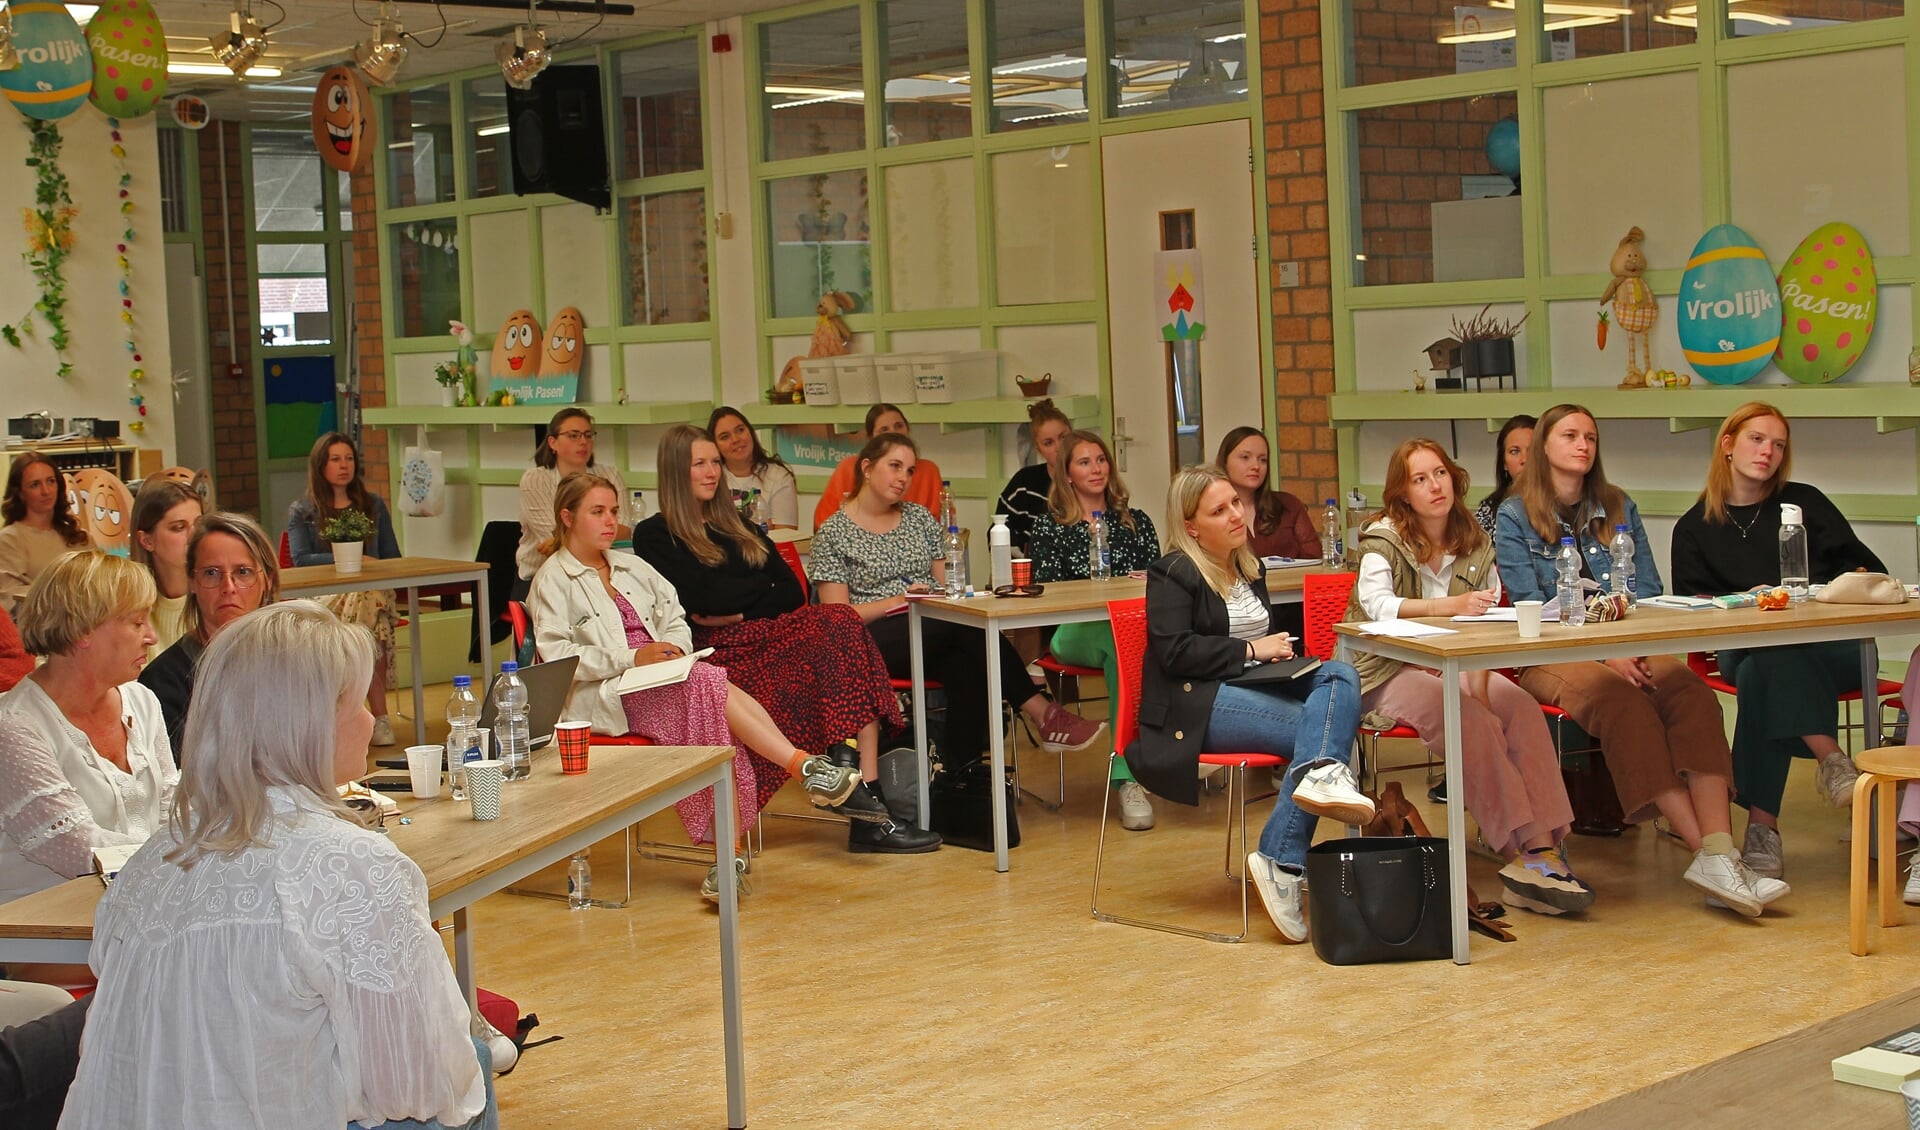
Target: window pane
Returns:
[[932, 260], [426, 276], [1433, 207], [1764, 17], [818, 228], [489, 147], [286, 181], [419, 137], [1402, 39], [929, 88], [294, 306], [666, 236], [343, 183], [1581, 29], [660, 109], [1043, 227], [812, 91], [174, 212], [1593, 197], [1171, 54], [1039, 63]]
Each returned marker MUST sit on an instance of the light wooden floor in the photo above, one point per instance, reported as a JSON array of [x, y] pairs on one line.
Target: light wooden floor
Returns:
[[928, 991]]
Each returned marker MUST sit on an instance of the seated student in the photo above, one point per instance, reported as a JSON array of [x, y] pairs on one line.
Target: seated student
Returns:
[[334, 486], [1659, 724], [39, 526], [1788, 697], [315, 991], [1279, 525], [563, 449], [749, 468], [1509, 459], [615, 612], [1208, 618], [1084, 480], [812, 666], [84, 756], [882, 419], [15, 663], [1024, 500], [233, 572], [880, 547], [163, 516]]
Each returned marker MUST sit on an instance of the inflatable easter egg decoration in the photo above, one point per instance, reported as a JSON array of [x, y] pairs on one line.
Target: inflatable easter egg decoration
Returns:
[[1829, 298], [516, 352], [341, 119], [129, 58], [566, 344], [56, 69], [1729, 307]]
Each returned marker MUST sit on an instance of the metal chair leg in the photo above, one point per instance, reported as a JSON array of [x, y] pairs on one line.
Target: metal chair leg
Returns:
[[1099, 856]]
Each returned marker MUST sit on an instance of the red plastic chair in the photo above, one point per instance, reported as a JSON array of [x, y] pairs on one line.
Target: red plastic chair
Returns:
[[286, 552], [1325, 600], [1129, 618], [1706, 664]]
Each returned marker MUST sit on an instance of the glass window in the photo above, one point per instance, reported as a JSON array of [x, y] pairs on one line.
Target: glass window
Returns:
[[175, 192], [1593, 197], [1764, 17], [1581, 29], [286, 181], [660, 128], [1039, 63], [929, 88], [666, 258], [817, 227], [1392, 40], [932, 261], [419, 137], [811, 90], [1043, 225], [1436, 189], [1169, 54], [343, 196], [426, 275], [489, 146], [295, 308]]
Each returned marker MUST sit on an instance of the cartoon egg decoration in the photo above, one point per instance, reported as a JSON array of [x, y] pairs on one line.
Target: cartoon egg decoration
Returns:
[[1829, 299], [341, 109], [107, 507], [75, 504], [1729, 307], [516, 352], [565, 344], [56, 69], [129, 58]]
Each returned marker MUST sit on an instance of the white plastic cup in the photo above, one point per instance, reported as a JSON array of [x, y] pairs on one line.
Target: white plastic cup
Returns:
[[1527, 614], [424, 763], [483, 787], [1910, 1091]]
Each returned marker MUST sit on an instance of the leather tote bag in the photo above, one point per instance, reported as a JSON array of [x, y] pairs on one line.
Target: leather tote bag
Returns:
[[1379, 898]]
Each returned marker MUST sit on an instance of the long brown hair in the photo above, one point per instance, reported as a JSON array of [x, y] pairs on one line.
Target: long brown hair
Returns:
[[1267, 506], [13, 507], [761, 458], [566, 499], [1464, 535], [874, 413], [1720, 466], [248, 533], [320, 491], [543, 455], [689, 519], [156, 498], [1502, 481], [1064, 505], [876, 449], [1606, 502]]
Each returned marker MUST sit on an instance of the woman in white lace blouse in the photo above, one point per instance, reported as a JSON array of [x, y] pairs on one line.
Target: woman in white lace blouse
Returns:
[[265, 960], [84, 759]]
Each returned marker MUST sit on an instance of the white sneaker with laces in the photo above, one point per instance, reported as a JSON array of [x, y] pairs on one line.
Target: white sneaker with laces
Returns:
[[1912, 895], [382, 731], [1834, 778], [1761, 851], [1719, 876], [1280, 894], [1329, 790], [1136, 811]]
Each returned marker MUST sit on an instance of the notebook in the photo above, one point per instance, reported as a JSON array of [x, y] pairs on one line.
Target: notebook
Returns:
[[1275, 671], [1883, 1064]]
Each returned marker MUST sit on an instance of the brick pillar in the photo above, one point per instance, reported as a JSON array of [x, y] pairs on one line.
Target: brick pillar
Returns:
[[236, 468], [369, 331], [1298, 232]]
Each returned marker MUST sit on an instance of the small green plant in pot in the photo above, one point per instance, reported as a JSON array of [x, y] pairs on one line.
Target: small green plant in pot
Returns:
[[348, 531]]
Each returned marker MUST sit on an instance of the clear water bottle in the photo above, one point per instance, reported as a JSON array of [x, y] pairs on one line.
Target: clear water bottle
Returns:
[[510, 724], [1793, 553], [757, 511], [1099, 557], [956, 562], [1330, 535], [1000, 551], [1573, 600], [463, 742], [580, 882], [948, 516], [1621, 550]]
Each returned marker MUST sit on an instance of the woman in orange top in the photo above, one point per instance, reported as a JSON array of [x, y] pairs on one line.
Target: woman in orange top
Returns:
[[923, 489]]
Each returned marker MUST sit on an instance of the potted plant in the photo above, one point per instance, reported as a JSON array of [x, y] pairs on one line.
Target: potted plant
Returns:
[[451, 380], [1486, 346], [466, 367], [348, 531]]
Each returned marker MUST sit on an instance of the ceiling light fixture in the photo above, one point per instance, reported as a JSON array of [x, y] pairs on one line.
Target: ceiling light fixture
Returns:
[[381, 55], [241, 46], [524, 56], [9, 56]]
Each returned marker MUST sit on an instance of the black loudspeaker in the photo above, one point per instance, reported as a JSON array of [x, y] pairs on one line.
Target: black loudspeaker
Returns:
[[559, 136]]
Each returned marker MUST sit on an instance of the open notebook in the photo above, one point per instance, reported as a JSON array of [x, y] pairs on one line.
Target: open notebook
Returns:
[[664, 673]]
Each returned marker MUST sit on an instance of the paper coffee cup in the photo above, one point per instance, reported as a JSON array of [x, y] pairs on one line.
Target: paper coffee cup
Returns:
[[483, 788], [1527, 613], [574, 739], [424, 763]]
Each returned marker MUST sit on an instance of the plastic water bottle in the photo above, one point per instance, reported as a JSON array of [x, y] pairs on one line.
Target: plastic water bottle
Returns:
[[1573, 600], [580, 882], [1000, 550], [1793, 553], [948, 516], [510, 723], [956, 563], [1621, 550], [1099, 557], [463, 745], [1330, 535]]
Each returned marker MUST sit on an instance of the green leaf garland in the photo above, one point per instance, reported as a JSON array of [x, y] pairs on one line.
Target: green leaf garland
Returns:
[[49, 226]]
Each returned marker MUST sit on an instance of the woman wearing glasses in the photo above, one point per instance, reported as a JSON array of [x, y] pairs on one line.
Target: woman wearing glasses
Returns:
[[566, 448], [231, 571]]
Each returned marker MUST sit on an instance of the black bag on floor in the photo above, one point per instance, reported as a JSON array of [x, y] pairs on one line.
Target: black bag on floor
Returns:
[[962, 802], [1379, 898]]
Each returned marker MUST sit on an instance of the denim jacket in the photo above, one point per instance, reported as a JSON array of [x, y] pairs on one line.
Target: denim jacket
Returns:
[[1527, 563]]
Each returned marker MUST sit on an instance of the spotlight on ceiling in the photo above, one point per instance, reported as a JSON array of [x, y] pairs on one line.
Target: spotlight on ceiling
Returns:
[[242, 45], [523, 56], [9, 57], [381, 55]]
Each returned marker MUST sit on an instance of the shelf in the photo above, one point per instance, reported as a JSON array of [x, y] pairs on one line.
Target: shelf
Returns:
[[950, 417], [520, 415], [1892, 407]]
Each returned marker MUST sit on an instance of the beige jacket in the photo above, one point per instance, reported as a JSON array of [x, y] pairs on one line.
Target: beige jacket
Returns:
[[1470, 571], [573, 615]]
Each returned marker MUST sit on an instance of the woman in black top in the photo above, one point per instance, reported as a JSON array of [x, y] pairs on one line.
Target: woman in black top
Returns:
[[1729, 542], [1509, 459], [1024, 501]]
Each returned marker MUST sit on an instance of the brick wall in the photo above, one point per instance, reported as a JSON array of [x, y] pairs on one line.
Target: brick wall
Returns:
[[369, 331], [236, 468]]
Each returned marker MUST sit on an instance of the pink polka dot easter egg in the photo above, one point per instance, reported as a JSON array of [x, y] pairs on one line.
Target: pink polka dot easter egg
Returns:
[[1827, 317], [130, 49]]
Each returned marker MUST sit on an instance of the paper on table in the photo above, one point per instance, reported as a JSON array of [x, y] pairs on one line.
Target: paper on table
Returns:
[[663, 673], [1404, 629], [1288, 562], [1491, 616]]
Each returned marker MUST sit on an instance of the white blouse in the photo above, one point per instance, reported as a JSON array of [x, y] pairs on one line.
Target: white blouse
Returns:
[[779, 494], [293, 985], [1375, 586], [59, 799]]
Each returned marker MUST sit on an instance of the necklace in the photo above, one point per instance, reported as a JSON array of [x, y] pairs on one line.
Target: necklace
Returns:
[[1748, 528]]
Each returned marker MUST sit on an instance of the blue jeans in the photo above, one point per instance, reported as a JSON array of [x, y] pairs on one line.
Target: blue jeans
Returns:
[[1310, 720], [487, 1119]]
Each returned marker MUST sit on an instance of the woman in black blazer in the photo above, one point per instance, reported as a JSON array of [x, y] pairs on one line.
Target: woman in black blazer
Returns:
[[1208, 619]]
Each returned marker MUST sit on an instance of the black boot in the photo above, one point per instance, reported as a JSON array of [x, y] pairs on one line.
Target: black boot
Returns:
[[890, 838]]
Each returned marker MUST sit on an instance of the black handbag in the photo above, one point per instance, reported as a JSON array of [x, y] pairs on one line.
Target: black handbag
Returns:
[[962, 802], [1379, 898]]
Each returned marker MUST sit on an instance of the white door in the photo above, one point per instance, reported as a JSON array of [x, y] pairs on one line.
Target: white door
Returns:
[[187, 332], [1150, 177]]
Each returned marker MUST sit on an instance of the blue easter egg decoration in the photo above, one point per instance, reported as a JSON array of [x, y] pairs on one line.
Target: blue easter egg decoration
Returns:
[[1503, 147], [1729, 307], [55, 73]]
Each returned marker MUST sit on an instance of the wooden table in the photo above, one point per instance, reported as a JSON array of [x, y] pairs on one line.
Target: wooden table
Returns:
[[411, 574], [1648, 631], [543, 820]]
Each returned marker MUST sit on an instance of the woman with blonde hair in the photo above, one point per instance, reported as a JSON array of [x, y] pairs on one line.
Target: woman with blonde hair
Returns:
[[314, 991], [39, 526], [163, 516]]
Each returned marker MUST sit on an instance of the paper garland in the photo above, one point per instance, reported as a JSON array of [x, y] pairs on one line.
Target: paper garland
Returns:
[[136, 373]]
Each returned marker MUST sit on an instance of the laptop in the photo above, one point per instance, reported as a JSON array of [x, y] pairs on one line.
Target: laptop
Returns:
[[548, 687]]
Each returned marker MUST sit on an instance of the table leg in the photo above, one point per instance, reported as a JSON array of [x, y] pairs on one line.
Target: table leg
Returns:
[[419, 691], [1456, 811], [997, 744], [725, 831], [1870, 693], [463, 960], [918, 670]]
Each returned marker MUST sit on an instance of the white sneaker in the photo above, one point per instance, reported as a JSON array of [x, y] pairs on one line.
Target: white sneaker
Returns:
[[1280, 894], [1912, 895], [1766, 890], [1761, 851], [1136, 811], [382, 731], [1719, 876], [1329, 790], [1834, 778]]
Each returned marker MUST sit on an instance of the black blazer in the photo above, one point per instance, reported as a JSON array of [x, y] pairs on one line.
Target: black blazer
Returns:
[[1189, 653]]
